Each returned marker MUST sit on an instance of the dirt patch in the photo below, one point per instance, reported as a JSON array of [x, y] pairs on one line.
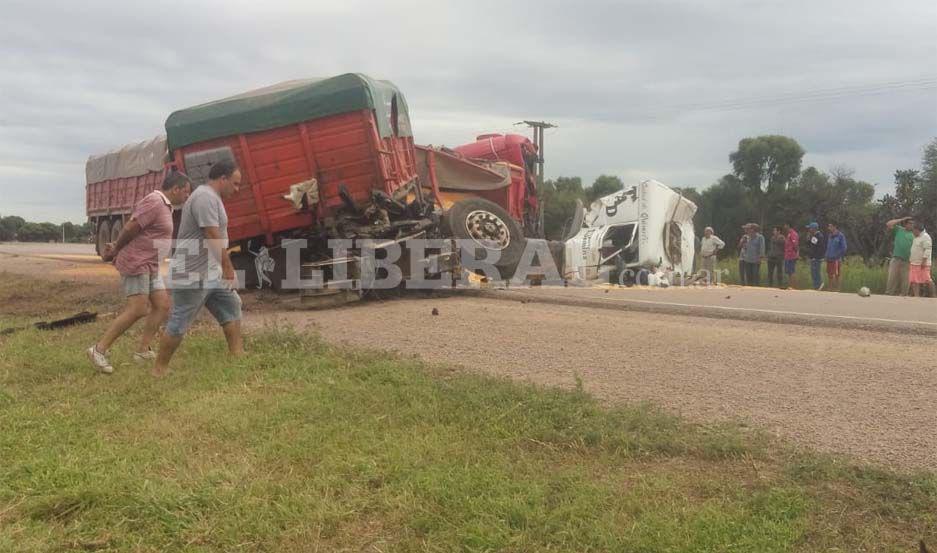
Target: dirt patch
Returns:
[[41, 297]]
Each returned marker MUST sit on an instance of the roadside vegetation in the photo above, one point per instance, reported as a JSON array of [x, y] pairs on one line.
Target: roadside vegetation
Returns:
[[13, 227], [300, 446], [768, 185], [856, 274]]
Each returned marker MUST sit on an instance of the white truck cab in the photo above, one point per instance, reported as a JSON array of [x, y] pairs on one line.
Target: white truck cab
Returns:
[[645, 229]]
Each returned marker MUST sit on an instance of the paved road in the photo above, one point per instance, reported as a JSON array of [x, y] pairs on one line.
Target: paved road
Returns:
[[69, 252], [802, 307], [808, 307]]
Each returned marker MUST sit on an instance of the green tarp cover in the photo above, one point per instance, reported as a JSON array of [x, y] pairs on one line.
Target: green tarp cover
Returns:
[[289, 103]]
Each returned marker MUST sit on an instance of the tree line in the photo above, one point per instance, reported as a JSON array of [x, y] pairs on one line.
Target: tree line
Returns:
[[769, 186], [16, 228]]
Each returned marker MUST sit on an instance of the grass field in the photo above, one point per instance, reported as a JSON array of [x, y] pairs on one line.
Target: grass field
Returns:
[[300, 446], [855, 274]]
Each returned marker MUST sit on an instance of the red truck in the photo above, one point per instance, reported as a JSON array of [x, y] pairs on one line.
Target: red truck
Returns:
[[343, 150], [116, 181]]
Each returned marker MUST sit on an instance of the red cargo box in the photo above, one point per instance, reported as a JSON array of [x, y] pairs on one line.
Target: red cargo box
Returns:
[[117, 180], [348, 131]]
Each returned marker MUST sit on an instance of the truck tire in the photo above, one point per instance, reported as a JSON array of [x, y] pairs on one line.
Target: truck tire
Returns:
[[116, 227], [103, 236], [490, 227]]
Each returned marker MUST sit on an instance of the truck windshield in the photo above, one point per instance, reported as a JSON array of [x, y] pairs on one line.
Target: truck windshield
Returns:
[[619, 245]]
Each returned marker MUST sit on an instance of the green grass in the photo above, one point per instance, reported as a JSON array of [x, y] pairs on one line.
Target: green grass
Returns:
[[300, 446], [855, 274]]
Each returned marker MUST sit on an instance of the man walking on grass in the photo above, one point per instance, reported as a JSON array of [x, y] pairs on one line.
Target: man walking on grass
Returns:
[[922, 252], [201, 273], [898, 279], [791, 254], [816, 250], [835, 252], [136, 257], [709, 247]]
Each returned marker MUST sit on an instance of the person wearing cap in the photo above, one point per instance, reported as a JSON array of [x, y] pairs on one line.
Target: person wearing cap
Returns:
[[835, 252], [709, 247], [754, 255], [791, 254], [816, 251], [898, 280], [136, 256], [922, 252]]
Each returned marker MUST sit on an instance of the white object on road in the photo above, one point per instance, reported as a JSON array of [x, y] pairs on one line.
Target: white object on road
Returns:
[[647, 226], [865, 292]]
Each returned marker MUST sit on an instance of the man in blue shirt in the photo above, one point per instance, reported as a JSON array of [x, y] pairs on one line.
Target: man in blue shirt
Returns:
[[753, 255], [835, 252]]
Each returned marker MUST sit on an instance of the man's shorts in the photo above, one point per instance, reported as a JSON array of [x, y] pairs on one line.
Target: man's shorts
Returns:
[[833, 267], [919, 274], [222, 303], [135, 285], [790, 266]]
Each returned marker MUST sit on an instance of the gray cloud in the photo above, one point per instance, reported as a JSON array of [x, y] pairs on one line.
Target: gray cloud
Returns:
[[625, 80]]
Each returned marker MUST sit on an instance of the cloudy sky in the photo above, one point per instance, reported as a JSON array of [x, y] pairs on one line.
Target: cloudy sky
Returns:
[[654, 88]]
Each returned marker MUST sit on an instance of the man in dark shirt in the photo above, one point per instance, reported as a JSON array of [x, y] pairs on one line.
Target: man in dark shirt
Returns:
[[776, 257], [816, 252]]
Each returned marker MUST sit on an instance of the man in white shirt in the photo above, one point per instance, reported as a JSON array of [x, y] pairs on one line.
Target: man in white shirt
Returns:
[[709, 247], [922, 251]]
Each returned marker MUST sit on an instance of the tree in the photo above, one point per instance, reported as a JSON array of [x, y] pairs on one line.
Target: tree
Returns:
[[725, 206], [38, 232], [559, 199], [928, 187], [9, 226], [766, 165], [603, 186]]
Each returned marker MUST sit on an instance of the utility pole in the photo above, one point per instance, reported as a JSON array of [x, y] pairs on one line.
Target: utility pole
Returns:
[[538, 127]]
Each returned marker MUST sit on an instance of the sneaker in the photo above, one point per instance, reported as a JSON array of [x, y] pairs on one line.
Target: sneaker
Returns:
[[822, 286], [144, 356], [99, 360]]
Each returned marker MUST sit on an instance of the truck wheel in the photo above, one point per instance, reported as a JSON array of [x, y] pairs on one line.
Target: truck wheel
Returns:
[[115, 230], [104, 235], [490, 227]]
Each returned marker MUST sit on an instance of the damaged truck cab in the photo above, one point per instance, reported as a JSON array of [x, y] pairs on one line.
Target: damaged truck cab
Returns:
[[644, 229]]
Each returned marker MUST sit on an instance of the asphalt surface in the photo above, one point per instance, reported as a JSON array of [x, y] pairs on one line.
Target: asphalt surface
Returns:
[[799, 307]]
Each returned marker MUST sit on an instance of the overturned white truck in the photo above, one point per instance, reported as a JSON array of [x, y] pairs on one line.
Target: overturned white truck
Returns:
[[642, 234]]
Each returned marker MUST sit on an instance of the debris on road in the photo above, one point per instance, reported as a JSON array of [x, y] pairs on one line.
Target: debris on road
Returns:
[[78, 318]]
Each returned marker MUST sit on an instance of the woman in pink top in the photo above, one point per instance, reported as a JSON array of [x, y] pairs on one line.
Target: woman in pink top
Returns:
[[136, 257], [791, 254]]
